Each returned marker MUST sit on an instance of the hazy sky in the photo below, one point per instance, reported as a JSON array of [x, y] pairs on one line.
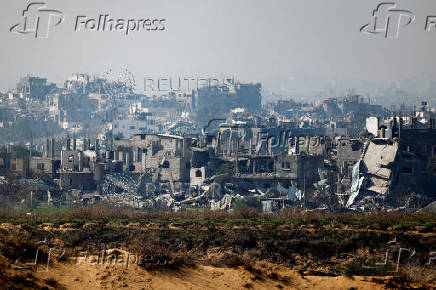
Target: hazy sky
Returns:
[[267, 41]]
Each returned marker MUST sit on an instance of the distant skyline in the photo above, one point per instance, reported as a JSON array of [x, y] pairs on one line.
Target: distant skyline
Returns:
[[291, 47]]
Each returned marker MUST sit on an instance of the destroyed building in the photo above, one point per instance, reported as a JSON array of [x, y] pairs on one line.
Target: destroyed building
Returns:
[[216, 101], [171, 154], [35, 87], [212, 146], [229, 96], [415, 167]]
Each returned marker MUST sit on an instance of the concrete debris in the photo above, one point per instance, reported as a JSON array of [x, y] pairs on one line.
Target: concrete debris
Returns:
[[431, 208], [356, 183], [224, 203], [164, 152]]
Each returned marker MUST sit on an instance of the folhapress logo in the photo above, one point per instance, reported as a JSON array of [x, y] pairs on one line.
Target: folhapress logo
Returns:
[[37, 20], [388, 20]]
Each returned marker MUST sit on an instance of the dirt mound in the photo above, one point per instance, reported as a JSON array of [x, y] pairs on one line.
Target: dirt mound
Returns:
[[85, 276], [204, 253]]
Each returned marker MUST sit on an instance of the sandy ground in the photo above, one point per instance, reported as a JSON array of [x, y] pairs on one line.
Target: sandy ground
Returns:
[[86, 276]]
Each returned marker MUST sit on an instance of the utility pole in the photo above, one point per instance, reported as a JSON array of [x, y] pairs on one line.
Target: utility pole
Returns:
[[236, 157], [304, 181]]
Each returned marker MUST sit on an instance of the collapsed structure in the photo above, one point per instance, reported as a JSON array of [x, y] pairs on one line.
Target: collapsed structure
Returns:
[[150, 153]]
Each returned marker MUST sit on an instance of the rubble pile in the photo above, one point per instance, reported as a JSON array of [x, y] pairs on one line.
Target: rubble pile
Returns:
[[218, 147]]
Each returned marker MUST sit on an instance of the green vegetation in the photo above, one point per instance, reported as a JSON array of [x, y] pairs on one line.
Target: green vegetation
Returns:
[[310, 242]]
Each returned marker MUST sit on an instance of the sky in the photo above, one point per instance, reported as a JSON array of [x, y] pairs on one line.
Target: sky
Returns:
[[287, 45]]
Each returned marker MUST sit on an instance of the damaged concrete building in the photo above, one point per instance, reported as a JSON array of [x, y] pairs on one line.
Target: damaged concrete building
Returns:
[[171, 154], [210, 146]]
